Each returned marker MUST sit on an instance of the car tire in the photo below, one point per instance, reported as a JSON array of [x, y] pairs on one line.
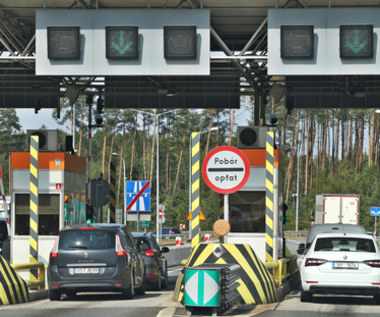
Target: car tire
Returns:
[[129, 293], [141, 290], [165, 281], [54, 295], [71, 294], [377, 299], [306, 296]]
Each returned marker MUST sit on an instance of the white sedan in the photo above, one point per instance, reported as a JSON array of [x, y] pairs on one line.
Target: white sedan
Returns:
[[341, 263]]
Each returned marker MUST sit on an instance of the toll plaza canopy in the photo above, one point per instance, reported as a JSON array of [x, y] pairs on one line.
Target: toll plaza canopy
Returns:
[[316, 53]]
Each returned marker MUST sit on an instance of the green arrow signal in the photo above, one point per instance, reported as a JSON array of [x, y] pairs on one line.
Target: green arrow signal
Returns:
[[356, 47], [120, 47]]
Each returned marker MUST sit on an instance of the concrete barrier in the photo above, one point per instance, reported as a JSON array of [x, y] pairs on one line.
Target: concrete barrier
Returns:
[[177, 254]]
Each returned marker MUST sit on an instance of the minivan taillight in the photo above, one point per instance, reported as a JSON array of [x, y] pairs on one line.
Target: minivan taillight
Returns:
[[54, 251], [314, 262], [150, 253], [120, 251], [372, 263]]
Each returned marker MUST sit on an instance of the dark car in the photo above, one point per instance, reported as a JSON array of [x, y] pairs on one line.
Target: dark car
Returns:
[[170, 231], [156, 274], [95, 257], [4, 239]]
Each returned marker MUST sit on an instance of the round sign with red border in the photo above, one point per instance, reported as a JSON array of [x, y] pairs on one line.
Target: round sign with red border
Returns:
[[225, 169]]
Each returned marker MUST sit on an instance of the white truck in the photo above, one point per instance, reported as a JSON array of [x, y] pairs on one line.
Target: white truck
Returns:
[[337, 208]]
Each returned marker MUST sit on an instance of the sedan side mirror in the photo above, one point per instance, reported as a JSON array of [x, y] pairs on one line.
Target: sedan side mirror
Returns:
[[164, 250], [301, 248]]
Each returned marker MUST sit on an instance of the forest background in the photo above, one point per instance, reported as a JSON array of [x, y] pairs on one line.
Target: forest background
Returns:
[[335, 151]]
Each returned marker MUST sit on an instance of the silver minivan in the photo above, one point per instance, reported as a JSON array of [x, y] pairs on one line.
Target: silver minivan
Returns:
[[328, 228]]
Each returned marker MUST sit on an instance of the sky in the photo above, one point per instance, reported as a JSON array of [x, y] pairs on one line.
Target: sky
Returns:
[[31, 121]]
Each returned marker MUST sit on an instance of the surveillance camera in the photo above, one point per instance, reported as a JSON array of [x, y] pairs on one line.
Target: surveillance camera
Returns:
[[98, 119], [272, 119]]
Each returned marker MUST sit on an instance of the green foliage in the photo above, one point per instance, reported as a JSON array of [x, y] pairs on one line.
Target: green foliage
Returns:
[[175, 130]]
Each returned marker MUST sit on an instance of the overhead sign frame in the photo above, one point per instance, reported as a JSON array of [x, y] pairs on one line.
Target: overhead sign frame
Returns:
[[122, 42], [356, 41], [297, 41], [63, 42], [180, 42], [225, 169]]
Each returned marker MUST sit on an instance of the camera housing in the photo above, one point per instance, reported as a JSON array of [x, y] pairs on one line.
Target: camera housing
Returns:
[[272, 119], [98, 119]]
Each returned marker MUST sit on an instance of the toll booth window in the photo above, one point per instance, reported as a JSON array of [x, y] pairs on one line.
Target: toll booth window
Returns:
[[247, 211], [48, 214]]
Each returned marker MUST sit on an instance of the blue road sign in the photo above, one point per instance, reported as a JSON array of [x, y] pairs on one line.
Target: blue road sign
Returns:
[[133, 189], [375, 211]]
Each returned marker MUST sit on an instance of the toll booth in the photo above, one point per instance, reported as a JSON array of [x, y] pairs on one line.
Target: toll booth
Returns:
[[62, 200], [247, 206]]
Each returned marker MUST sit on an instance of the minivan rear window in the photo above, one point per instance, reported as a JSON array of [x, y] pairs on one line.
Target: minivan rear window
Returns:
[[87, 239]]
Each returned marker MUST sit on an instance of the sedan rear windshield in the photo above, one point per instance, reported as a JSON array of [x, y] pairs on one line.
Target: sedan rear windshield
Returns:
[[345, 244], [87, 239]]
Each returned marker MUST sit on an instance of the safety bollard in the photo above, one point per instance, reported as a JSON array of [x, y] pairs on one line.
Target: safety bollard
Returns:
[[207, 237], [178, 241]]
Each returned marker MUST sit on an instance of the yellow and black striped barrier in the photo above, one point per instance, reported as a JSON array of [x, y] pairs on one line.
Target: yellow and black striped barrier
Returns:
[[33, 204], [195, 176], [13, 289], [112, 191], [257, 285], [269, 198]]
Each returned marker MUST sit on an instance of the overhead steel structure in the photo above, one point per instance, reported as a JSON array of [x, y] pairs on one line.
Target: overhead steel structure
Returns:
[[238, 58]]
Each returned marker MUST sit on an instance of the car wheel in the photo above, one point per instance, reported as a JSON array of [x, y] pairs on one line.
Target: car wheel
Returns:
[[306, 296], [165, 281], [129, 293], [157, 285], [141, 290], [71, 294], [377, 298], [54, 295]]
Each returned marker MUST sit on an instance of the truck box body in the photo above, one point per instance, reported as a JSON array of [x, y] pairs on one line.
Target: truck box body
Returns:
[[337, 208]]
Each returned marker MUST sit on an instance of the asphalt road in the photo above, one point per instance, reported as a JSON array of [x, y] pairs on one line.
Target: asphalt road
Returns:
[[153, 303]]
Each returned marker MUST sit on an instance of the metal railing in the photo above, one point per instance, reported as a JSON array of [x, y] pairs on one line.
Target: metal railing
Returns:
[[282, 268], [41, 273]]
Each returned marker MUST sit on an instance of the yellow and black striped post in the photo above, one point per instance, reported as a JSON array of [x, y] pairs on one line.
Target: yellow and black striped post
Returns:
[[33, 205], [269, 198], [195, 175], [112, 191]]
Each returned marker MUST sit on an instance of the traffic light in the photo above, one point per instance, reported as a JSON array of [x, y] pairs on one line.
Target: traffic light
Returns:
[[284, 216], [90, 214]]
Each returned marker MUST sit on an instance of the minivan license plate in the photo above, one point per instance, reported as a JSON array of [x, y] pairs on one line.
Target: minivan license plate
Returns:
[[345, 265], [86, 270]]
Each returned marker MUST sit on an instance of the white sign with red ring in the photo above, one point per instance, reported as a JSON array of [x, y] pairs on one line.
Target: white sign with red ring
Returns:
[[225, 169]]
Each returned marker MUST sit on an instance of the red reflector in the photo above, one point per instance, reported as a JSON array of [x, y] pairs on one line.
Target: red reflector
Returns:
[[150, 275], [150, 253], [121, 253], [86, 228], [56, 285], [53, 254], [311, 282], [118, 284]]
